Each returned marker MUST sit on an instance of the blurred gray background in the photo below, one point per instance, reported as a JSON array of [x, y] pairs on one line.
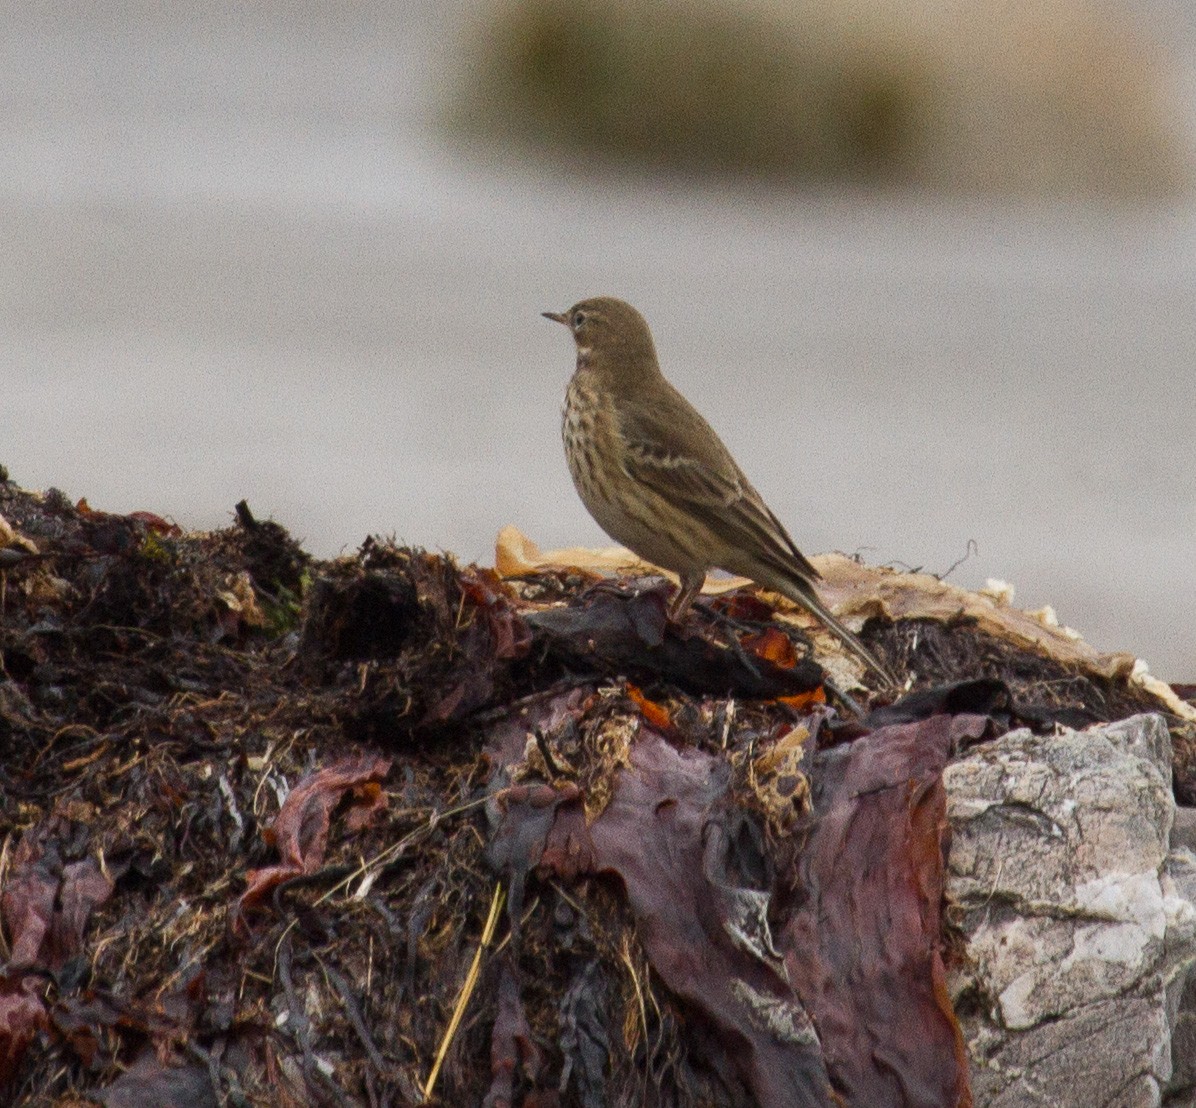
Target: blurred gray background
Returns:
[[241, 255]]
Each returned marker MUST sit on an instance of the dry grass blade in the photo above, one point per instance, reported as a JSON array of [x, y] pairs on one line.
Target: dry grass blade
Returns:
[[471, 980]]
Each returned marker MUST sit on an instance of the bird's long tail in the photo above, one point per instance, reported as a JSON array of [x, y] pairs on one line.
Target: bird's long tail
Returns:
[[808, 600]]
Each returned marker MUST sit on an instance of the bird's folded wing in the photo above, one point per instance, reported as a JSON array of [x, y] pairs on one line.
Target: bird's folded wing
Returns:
[[722, 500]]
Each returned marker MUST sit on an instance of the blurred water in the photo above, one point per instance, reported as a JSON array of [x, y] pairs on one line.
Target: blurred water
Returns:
[[237, 259]]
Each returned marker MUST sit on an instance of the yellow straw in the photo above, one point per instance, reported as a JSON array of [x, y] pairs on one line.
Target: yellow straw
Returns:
[[471, 979]]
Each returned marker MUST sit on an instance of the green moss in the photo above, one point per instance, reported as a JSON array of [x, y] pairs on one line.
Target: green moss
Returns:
[[155, 549], [283, 611]]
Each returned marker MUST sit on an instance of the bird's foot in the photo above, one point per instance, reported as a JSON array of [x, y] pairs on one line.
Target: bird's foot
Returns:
[[731, 629]]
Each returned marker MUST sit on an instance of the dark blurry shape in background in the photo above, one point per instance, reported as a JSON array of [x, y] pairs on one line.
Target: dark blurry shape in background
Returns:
[[1033, 98]]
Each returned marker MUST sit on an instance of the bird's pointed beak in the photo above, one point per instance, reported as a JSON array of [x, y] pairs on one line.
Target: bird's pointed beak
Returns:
[[558, 317]]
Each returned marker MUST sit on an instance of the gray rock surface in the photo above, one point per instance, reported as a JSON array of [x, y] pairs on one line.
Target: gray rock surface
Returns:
[[1079, 919]]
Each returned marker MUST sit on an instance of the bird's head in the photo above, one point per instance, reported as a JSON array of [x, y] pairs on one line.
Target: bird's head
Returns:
[[612, 337]]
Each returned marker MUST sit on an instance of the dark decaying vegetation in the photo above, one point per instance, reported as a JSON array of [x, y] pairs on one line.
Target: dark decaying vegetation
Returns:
[[275, 831]]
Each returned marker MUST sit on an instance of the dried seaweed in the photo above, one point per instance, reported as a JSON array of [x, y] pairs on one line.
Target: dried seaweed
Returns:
[[254, 809]]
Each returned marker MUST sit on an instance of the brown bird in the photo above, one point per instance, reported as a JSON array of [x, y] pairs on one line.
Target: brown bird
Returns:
[[657, 478]]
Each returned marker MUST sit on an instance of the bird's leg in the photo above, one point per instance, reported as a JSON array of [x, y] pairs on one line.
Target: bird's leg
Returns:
[[683, 601], [690, 586]]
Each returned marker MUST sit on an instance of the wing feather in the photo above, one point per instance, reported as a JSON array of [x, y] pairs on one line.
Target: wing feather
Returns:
[[687, 464]]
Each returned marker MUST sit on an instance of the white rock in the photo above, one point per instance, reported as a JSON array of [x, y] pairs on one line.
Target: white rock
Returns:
[[1079, 922]]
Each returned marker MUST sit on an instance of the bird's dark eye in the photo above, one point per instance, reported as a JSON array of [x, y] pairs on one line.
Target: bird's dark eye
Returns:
[[578, 319]]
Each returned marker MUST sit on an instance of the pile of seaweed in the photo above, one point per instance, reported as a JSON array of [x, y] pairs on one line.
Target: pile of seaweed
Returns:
[[388, 830]]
